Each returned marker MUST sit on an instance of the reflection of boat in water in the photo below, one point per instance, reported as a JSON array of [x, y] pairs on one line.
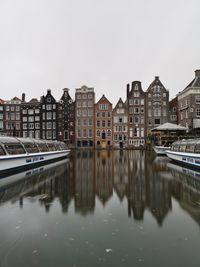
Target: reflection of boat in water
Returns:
[[161, 150], [186, 152], [19, 184], [24, 153], [190, 177]]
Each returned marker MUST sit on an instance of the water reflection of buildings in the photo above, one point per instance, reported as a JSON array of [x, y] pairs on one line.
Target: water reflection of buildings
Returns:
[[103, 175], [84, 181], [145, 183]]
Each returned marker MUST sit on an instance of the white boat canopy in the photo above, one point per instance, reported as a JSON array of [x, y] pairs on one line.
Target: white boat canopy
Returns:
[[170, 127]]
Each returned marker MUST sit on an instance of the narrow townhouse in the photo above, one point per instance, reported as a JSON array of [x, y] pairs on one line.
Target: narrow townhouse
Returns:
[[84, 116], [120, 125], [66, 118], [103, 123], [136, 115]]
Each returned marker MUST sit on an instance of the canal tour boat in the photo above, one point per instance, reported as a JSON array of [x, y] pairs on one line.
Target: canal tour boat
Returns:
[[186, 152], [161, 150], [24, 153]]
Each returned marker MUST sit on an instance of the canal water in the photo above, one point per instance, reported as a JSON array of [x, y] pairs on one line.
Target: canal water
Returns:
[[101, 208]]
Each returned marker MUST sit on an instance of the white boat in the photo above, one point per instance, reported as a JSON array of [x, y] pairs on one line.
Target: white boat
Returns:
[[24, 153], [186, 152], [161, 150]]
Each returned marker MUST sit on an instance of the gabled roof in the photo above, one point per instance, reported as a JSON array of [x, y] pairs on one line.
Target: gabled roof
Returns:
[[16, 98], [156, 82], [195, 83], [1, 101], [103, 96]]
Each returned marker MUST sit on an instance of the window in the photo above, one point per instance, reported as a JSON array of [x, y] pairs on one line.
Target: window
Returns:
[[98, 123], [136, 94], [103, 123], [98, 133], [130, 102], [37, 126], [49, 107], [103, 135], [90, 122], [109, 123], [49, 115], [136, 110], [157, 121], [30, 111], [49, 125], [103, 106], [198, 112], [109, 133], [17, 116], [84, 104]]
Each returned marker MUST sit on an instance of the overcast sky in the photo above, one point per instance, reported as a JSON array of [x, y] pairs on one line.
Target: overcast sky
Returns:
[[105, 44]]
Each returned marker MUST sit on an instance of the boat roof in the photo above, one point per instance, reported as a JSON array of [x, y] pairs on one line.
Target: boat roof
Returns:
[[187, 142], [16, 140]]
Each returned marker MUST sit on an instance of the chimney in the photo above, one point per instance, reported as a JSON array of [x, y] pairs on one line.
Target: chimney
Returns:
[[197, 73], [127, 89], [23, 97]]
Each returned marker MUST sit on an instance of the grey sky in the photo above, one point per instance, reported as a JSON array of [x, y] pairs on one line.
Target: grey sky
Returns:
[[103, 44]]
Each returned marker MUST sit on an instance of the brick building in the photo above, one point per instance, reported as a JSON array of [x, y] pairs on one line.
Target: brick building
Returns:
[[136, 114], [66, 117], [189, 105], [48, 117], [157, 105], [120, 125], [30, 114], [103, 123], [84, 116]]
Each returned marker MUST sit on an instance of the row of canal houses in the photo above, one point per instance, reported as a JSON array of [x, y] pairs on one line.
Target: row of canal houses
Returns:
[[85, 123]]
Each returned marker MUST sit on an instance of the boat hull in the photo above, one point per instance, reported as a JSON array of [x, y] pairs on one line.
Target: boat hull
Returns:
[[190, 159], [12, 163], [161, 150]]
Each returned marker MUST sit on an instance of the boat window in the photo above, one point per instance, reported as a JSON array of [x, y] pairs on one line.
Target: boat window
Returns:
[[31, 148], [51, 146], [14, 149], [175, 147], [197, 148], [189, 148], [43, 147], [182, 147], [1, 151], [58, 147]]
